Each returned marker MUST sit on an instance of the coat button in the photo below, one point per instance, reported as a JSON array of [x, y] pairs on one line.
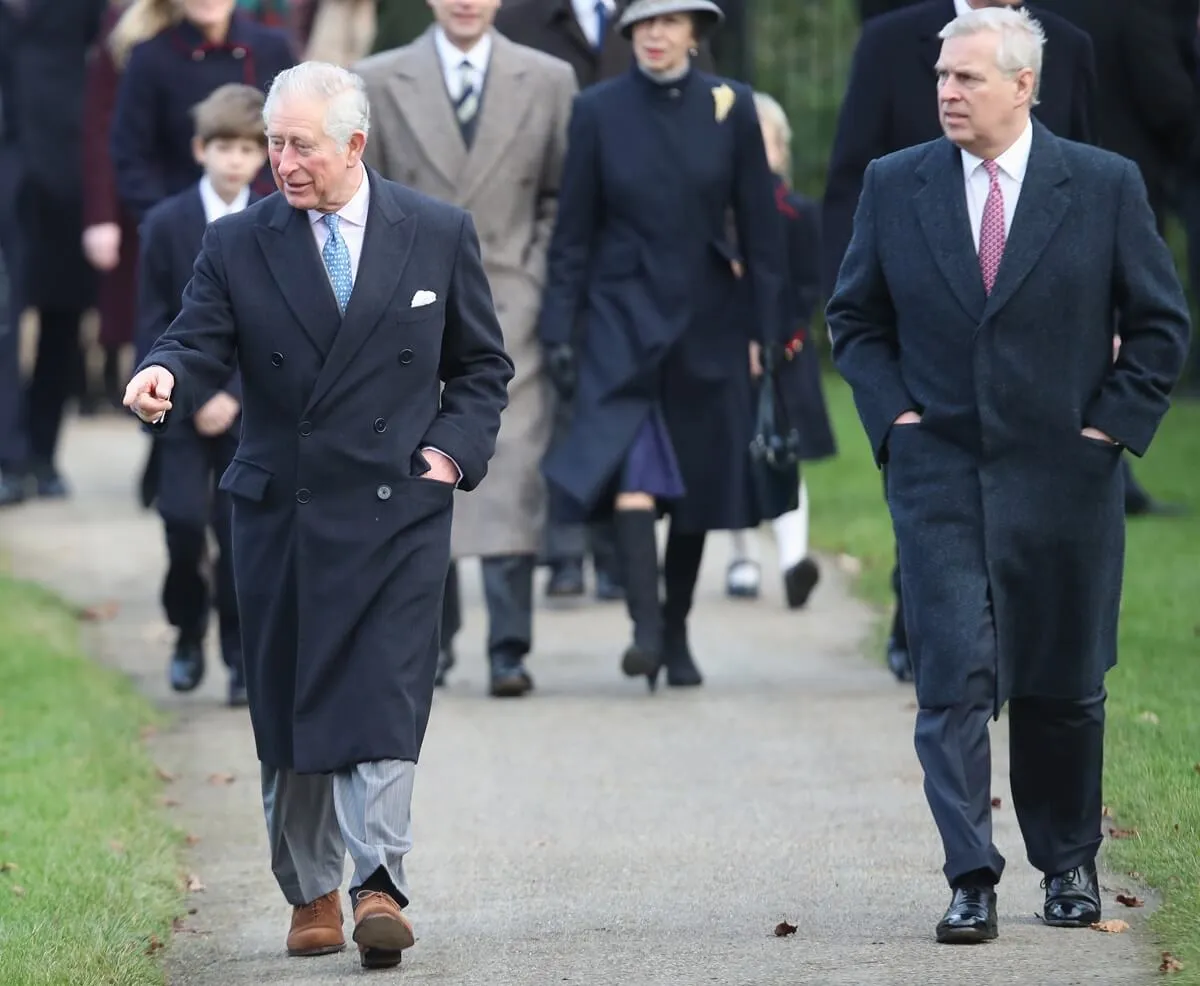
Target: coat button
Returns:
[[674, 93], [239, 52], [406, 355], [305, 429], [303, 495], [277, 359], [198, 55], [380, 425], [384, 492]]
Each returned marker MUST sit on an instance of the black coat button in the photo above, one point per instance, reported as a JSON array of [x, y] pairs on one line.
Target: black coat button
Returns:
[[406, 355], [303, 496], [384, 492], [380, 425], [305, 429], [277, 359]]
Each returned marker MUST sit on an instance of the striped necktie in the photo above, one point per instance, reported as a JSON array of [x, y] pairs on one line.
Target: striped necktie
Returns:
[[467, 104]]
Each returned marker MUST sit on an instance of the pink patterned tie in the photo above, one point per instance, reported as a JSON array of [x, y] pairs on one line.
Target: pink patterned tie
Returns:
[[991, 230]]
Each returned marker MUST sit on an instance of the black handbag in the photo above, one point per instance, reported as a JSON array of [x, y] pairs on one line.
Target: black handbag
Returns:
[[775, 448]]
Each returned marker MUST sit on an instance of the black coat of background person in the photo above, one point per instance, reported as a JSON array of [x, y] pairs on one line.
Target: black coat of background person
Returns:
[[873, 8], [891, 102]]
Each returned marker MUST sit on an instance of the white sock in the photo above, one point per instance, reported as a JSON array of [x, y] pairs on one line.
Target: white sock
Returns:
[[745, 547], [791, 533]]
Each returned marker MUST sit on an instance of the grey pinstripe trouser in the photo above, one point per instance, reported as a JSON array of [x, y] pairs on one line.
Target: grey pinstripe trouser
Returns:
[[313, 820]]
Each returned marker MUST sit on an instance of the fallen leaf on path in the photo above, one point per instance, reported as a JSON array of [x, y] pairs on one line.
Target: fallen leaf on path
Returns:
[[191, 840], [18, 891], [1124, 834], [849, 564], [170, 803], [154, 945], [192, 910], [1130, 901], [164, 775], [194, 886], [177, 925], [996, 802], [1106, 812], [1113, 926], [1170, 963], [1149, 717], [218, 779], [8, 867], [783, 929], [99, 613]]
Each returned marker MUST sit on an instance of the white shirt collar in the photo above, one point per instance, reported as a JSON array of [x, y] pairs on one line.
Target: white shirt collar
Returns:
[[1013, 162], [354, 211], [452, 57], [215, 207], [962, 7]]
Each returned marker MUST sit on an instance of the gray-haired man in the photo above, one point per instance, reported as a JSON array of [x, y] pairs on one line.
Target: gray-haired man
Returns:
[[347, 301]]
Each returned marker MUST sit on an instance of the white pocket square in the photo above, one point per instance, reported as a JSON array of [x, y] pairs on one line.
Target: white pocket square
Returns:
[[422, 298]]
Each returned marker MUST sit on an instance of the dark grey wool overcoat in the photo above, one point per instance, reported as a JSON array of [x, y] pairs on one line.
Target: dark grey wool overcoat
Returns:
[[340, 547], [996, 497]]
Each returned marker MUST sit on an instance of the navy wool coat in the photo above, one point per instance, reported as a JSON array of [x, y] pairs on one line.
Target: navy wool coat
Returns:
[[996, 495], [152, 129], [641, 257], [340, 547]]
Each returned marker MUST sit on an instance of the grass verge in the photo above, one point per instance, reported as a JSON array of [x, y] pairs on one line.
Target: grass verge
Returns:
[[1152, 769], [89, 865]]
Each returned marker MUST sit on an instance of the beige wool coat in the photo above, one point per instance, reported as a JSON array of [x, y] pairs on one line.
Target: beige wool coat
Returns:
[[508, 180]]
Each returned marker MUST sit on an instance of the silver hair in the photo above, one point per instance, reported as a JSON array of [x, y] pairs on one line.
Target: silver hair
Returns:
[[1020, 39], [772, 114], [344, 93]]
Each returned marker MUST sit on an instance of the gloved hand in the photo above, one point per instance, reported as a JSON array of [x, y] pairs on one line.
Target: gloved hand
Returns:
[[561, 368]]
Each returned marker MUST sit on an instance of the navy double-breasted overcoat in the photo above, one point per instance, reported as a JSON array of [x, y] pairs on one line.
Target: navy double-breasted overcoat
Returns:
[[340, 547], [658, 177]]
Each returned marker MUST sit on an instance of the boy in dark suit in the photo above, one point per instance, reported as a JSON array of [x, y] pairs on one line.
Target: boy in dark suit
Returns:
[[230, 144]]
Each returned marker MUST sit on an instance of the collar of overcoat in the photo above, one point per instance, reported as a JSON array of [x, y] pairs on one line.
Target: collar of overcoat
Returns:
[[286, 237], [418, 89], [942, 212]]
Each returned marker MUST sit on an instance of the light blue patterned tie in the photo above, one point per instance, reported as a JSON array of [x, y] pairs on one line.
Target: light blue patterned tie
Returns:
[[337, 261]]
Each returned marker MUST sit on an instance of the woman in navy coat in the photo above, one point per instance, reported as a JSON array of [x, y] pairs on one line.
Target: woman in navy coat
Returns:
[[642, 321], [798, 376], [151, 139]]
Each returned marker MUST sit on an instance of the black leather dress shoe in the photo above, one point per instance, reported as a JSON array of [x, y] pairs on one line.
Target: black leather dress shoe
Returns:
[[1150, 507], [970, 918], [566, 579], [187, 664], [509, 679], [446, 661], [1072, 898], [899, 662], [608, 586], [12, 490], [799, 582], [51, 486], [237, 688]]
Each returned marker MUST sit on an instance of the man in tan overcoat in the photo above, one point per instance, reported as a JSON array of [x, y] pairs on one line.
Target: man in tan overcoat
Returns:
[[466, 116]]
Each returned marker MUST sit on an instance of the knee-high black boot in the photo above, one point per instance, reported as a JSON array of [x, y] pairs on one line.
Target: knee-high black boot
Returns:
[[681, 571], [637, 555]]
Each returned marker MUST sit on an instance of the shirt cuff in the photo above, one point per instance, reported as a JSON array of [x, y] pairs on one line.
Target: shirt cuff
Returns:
[[434, 448]]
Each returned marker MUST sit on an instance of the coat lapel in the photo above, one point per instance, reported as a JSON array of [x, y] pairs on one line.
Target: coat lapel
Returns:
[[418, 92], [506, 100], [291, 253], [942, 212], [1040, 211], [387, 243]]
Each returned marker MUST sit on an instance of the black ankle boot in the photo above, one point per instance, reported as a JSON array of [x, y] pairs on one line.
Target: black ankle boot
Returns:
[[637, 554], [681, 568]]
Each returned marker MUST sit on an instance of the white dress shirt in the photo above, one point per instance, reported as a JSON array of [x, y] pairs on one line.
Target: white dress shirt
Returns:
[[1011, 175], [585, 13], [452, 59], [215, 207], [353, 224], [962, 7]]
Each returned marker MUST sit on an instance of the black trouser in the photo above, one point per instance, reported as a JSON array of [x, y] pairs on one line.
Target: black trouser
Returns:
[[1056, 756], [55, 379]]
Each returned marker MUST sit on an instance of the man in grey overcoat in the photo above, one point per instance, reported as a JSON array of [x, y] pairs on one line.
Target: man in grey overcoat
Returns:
[[469, 117], [973, 318]]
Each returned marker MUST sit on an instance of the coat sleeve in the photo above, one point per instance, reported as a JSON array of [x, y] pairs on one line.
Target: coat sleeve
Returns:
[[860, 137], [862, 325], [565, 90], [156, 308], [579, 209], [475, 369], [1154, 326], [200, 346], [132, 142], [760, 227]]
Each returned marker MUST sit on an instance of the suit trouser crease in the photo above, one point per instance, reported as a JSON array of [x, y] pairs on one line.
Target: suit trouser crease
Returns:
[[313, 820]]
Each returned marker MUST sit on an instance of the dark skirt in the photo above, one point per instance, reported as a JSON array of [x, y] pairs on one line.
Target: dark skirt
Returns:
[[650, 464]]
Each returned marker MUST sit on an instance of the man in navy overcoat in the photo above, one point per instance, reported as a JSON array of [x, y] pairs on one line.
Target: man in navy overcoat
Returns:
[[973, 319], [373, 377]]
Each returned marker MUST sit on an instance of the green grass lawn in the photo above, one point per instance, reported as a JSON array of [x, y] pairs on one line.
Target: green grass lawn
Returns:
[[89, 866], [1152, 768]]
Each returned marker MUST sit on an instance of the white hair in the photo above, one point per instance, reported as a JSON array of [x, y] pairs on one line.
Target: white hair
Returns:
[[344, 93], [773, 115], [1020, 39]]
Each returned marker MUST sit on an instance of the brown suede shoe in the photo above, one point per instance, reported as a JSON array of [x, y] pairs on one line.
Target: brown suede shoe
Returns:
[[380, 927], [317, 927]]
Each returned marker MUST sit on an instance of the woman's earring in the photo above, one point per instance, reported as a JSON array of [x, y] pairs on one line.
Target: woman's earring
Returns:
[[694, 51]]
